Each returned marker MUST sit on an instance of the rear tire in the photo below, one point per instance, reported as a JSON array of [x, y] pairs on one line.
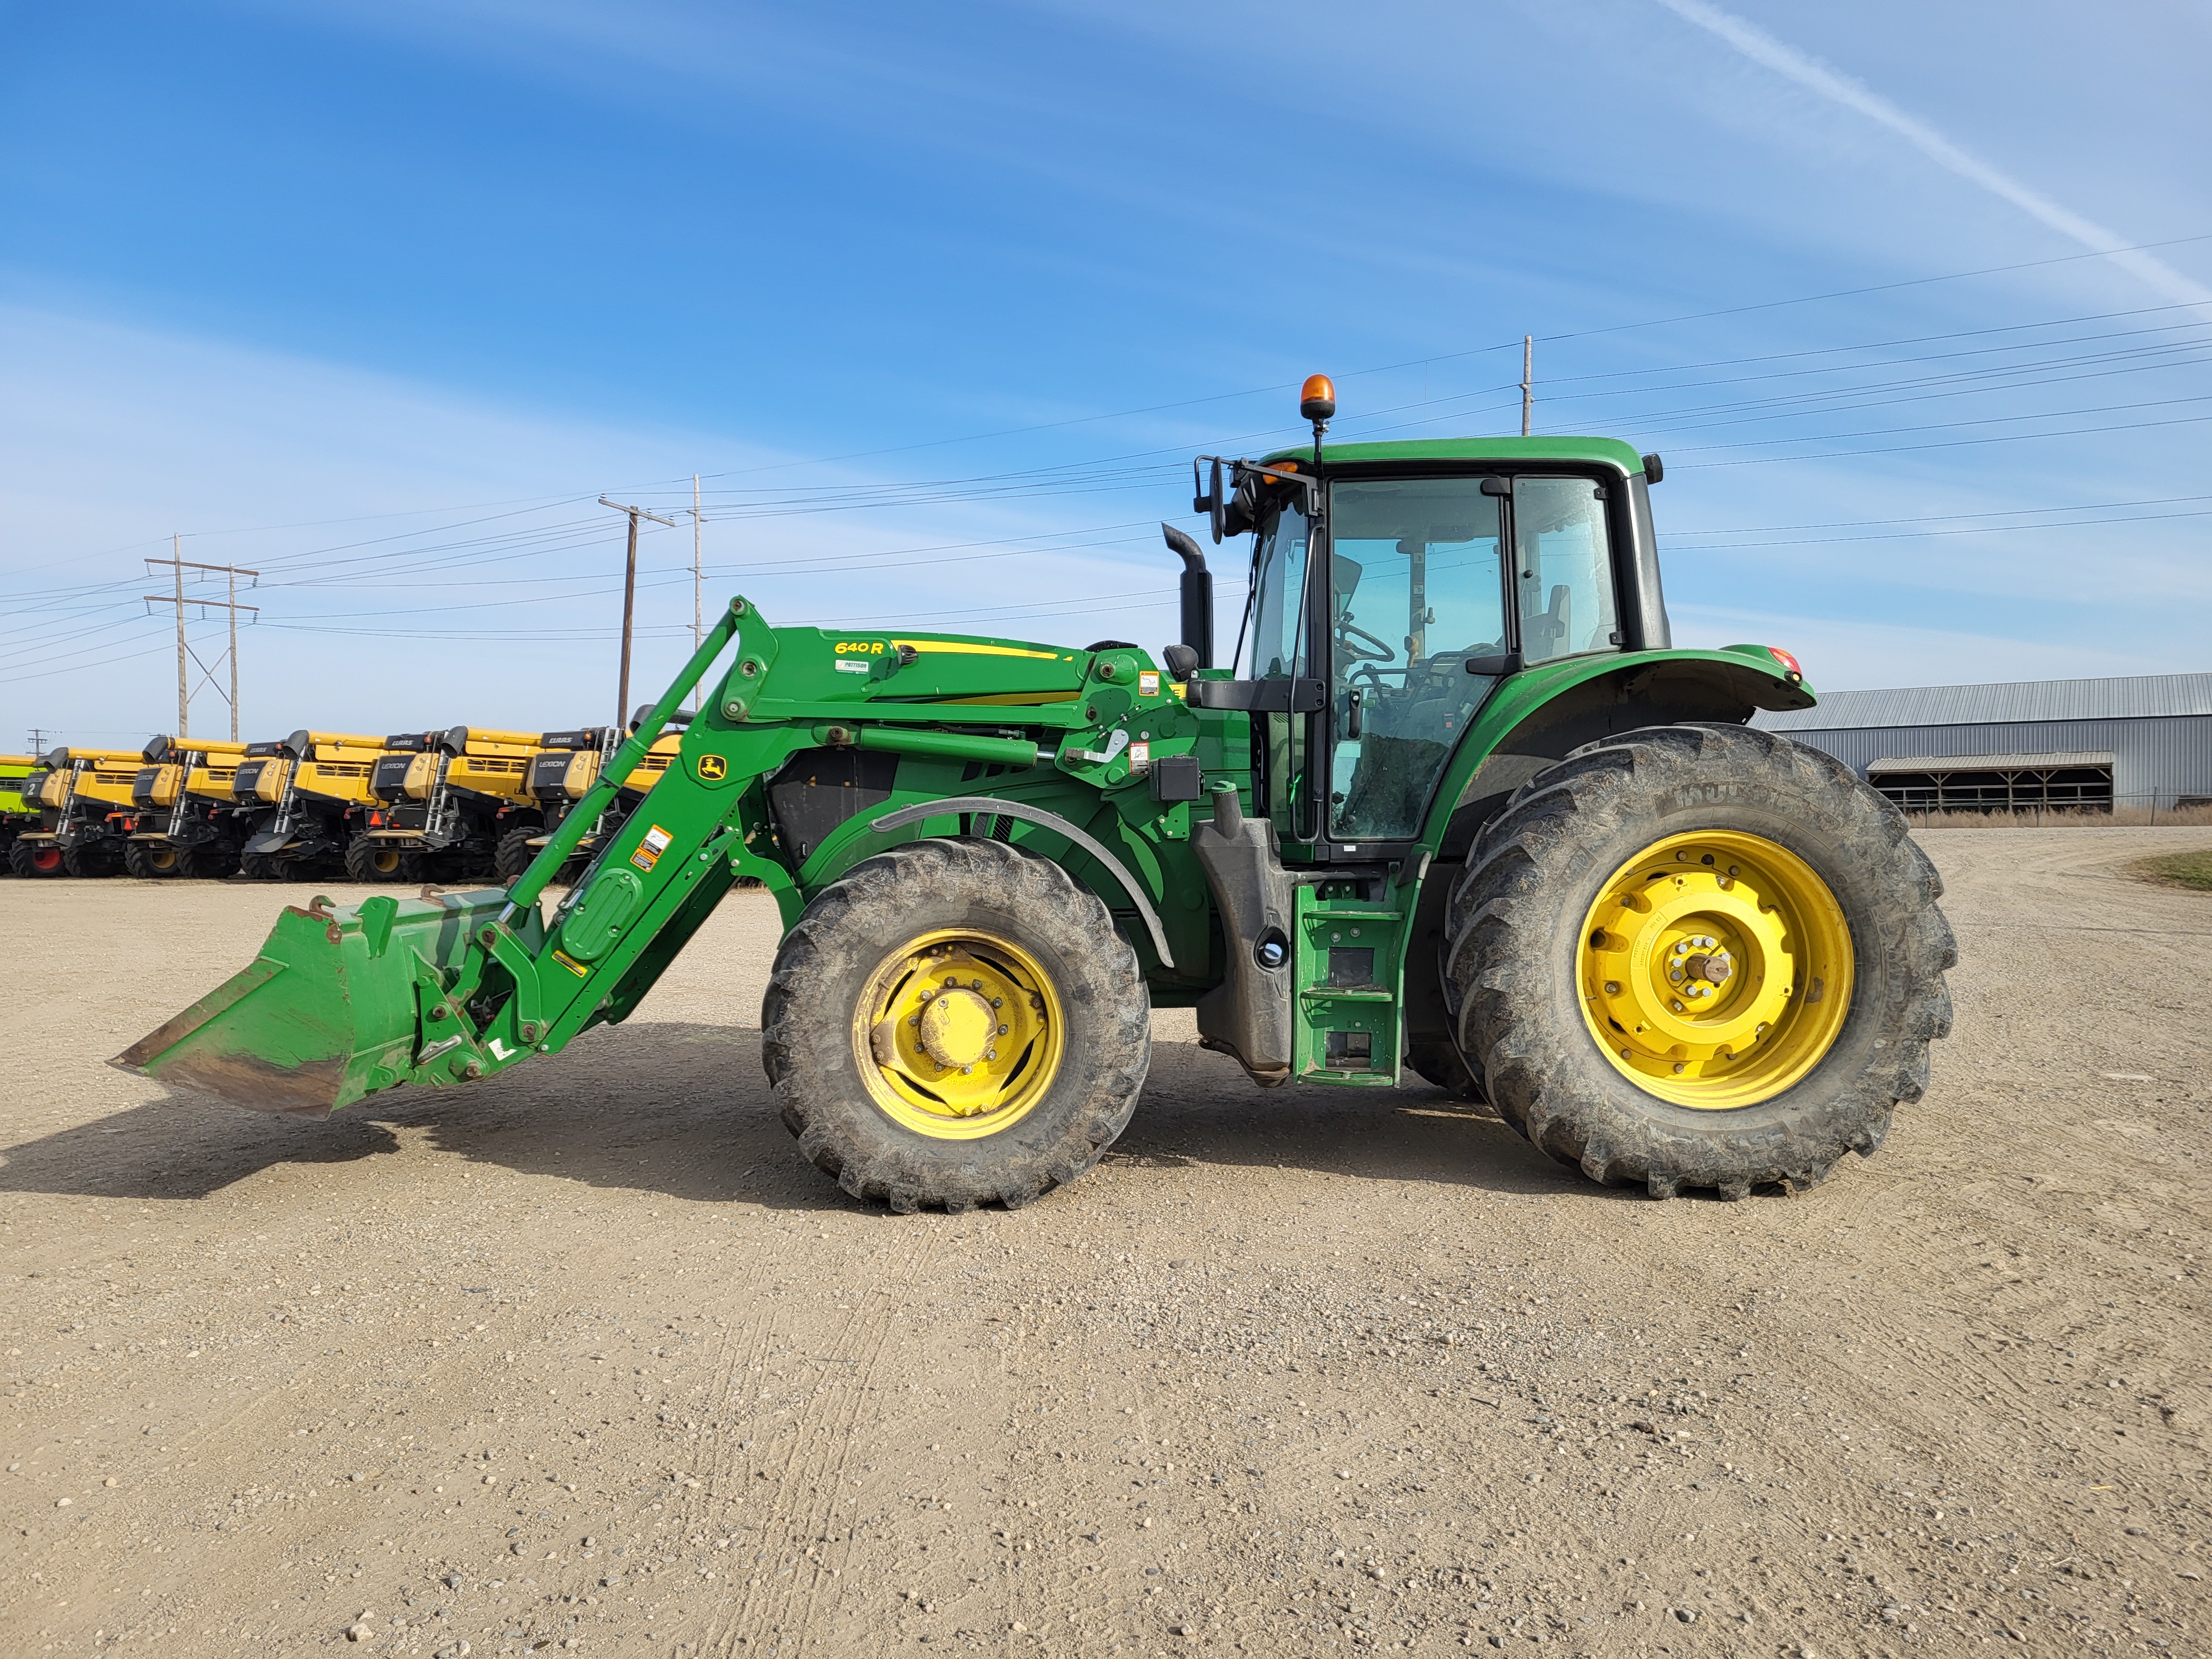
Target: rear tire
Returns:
[[152, 860], [1518, 964], [858, 1095], [260, 867], [33, 859], [92, 858], [374, 861]]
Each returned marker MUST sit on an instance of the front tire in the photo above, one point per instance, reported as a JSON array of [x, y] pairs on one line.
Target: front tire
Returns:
[[1698, 956], [954, 1022]]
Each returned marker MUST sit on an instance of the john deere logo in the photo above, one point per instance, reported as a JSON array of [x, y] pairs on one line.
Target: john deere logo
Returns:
[[713, 768]]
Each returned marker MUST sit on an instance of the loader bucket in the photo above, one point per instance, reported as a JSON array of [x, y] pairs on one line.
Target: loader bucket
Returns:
[[328, 1013]]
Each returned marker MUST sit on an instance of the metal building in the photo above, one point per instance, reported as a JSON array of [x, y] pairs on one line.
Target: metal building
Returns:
[[2144, 742]]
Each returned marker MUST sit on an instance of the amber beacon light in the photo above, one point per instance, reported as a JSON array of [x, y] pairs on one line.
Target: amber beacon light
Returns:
[[1317, 398]]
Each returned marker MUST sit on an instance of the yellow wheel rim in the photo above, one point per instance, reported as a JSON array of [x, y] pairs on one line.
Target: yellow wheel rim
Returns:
[[385, 860], [1715, 969], [959, 1034], [163, 858]]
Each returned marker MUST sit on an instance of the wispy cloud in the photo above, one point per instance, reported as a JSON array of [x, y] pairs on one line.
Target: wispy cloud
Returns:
[[1815, 76]]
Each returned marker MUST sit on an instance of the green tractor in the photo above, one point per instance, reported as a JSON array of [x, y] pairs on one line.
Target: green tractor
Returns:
[[1458, 804]]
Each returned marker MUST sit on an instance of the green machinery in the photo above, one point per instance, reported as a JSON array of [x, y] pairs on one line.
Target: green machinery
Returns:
[[1458, 804], [16, 814]]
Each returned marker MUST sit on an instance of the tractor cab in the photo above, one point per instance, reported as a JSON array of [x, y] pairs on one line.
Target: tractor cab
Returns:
[[1394, 587]]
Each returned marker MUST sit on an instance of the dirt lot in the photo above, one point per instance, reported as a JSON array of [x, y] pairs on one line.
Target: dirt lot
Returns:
[[586, 1357]]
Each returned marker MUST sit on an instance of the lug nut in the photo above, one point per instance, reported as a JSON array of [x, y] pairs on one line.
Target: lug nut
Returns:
[[1612, 987], [1003, 1029], [1678, 1005]]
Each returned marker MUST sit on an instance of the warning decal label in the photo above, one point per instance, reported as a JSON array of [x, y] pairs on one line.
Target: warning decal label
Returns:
[[650, 849]]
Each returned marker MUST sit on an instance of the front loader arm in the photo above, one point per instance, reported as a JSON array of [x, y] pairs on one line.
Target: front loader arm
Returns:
[[343, 1002]]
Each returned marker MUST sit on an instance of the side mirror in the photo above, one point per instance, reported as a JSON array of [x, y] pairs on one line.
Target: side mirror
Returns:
[[1207, 499], [1496, 667]]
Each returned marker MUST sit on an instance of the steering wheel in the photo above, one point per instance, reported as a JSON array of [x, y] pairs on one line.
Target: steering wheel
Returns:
[[1347, 634]]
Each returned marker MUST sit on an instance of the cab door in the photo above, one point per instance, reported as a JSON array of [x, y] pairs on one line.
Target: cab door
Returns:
[[1416, 586]]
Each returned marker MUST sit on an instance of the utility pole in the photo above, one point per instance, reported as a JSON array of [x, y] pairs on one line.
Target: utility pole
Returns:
[[37, 741], [185, 652], [698, 617], [184, 697], [629, 602], [1527, 378]]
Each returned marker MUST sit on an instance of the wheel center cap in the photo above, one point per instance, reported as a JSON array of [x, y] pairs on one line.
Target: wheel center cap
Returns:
[[957, 1028]]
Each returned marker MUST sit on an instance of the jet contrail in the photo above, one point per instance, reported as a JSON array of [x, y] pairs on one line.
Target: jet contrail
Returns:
[[1763, 48]]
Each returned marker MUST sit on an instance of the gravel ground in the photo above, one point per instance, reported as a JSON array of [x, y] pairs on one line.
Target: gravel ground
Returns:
[[586, 1357]]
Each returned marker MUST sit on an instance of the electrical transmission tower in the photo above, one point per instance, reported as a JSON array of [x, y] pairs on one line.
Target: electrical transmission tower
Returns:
[[186, 654]]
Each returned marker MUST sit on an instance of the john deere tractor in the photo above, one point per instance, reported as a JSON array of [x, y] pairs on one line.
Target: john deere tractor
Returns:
[[1457, 803]]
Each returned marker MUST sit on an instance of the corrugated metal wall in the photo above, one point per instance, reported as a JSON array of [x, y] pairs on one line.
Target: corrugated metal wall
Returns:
[[2154, 762]]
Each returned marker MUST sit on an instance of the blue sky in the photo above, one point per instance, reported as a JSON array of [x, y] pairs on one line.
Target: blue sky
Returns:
[[379, 298]]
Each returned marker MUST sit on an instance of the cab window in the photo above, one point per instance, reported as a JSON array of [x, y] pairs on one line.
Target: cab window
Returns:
[[1564, 561]]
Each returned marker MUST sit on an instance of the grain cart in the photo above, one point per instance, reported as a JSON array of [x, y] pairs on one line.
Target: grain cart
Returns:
[[300, 796], [561, 773], [186, 821], [1460, 804], [444, 801], [16, 814], [85, 813]]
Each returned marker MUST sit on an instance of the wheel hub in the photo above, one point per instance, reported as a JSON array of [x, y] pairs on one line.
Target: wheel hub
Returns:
[[959, 1034], [1715, 968], [958, 1027]]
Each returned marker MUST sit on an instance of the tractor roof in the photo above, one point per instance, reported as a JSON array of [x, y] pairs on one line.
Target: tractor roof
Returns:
[[1582, 452]]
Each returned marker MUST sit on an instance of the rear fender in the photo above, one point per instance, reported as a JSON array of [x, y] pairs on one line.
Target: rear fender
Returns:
[[1538, 719], [1545, 713]]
